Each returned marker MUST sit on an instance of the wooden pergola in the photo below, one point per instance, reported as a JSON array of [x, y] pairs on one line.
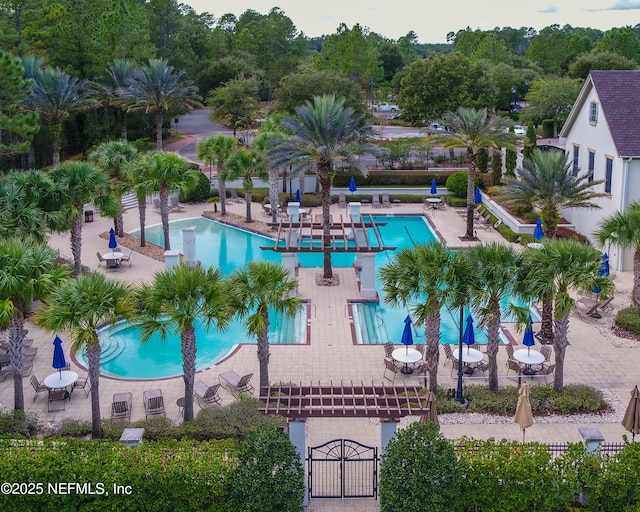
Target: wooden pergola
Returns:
[[343, 400]]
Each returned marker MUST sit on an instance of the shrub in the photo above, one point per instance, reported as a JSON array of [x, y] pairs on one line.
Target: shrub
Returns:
[[157, 428], [17, 422], [420, 471], [112, 429], [73, 428], [617, 486], [457, 184], [507, 233], [482, 160], [547, 128], [629, 320], [201, 192], [269, 475], [456, 202]]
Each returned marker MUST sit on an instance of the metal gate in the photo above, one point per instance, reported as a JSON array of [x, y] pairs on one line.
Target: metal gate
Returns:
[[343, 468]]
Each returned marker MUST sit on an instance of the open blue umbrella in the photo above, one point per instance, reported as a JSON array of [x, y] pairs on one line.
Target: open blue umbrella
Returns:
[[407, 335], [434, 187], [528, 340], [538, 233], [478, 197], [604, 269], [58, 355], [112, 239], [352, 185], [297, 195], [469, 337]]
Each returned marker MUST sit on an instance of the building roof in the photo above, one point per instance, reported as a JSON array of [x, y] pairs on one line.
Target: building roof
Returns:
[[618, 92]]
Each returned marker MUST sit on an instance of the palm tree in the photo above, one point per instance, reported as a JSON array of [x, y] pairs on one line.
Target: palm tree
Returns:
[[549, 182], [623, 229], [553, 271], [137, 177], [417, 278], [166, 172], [110, 88], [158, 88], [474, 130], [28, 272], [55, 97], [247, 163], [217, 150], [324, 132], [79, 183], [256, 288], [113, 157], [80, 307], [176, 299], [495, 270]]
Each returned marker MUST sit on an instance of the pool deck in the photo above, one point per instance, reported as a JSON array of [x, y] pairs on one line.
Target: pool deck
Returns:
[[594, 356]]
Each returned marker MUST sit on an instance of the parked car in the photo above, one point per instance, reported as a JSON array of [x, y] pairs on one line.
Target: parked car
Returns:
[[519, 130], [437, 129], [386, 107]]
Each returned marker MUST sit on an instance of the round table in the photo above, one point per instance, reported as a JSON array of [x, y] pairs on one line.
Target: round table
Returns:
[[113, 258], [433, 201], [528, 357], [180, 404], [60, 380], [406, 355], [470, 356]]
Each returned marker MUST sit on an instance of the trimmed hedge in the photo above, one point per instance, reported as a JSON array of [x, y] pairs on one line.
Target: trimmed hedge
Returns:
[[629, 320]]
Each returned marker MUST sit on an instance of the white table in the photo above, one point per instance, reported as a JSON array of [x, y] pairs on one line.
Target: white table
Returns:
[[528, 357], [113, 259], [61, 380], [406, 355], [470, 357], [434, 202]]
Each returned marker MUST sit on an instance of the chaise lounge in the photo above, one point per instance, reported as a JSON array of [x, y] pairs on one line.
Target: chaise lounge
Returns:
[[236, 384]]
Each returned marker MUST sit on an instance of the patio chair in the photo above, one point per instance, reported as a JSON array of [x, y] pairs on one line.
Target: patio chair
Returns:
[[385, 201], [389, 366], [153, 403], [83, 384], [509, 350], [236, 384], [546, 370], [482, 366], [5, 371], [513, 365], [156, 205], [57, 395], [388, 348], [100, 258], [37, 386], [449, 355], [121, 406], [206, 395], [342, 200], [127, 258], [174, 205], [375, 201], [545, 350]]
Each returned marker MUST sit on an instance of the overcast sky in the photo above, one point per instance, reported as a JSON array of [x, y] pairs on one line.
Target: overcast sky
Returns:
[[431, 20]]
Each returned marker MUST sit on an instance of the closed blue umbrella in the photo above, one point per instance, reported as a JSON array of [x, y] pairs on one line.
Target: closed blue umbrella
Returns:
[[297, 195], [434, 187], [407, 335], [469, 337], [604, 267], [352, 185], [478, 197], [528, 340], [538, 234], [58, 355], [112, 239]]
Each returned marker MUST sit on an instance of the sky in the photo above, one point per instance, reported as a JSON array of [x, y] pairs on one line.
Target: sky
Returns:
[[431, 20]]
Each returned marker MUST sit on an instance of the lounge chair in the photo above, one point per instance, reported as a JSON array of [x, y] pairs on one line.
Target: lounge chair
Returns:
[[206, 395], [174, 205], [385, 201], [587, 312], [375, 201], [153, 403], [342, 200], [121, 406], [236, 384], [127, 258], [5, 371], [57, 395], [605, 307], [37, 386]]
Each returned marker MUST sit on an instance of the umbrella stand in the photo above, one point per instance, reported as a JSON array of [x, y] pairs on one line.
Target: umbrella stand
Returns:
[[523, 432]]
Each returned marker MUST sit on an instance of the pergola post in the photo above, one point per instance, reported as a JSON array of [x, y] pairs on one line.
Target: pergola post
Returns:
[[189, 245]]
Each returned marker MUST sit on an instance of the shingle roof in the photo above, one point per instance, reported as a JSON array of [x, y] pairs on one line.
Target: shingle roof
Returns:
[[619, 94]]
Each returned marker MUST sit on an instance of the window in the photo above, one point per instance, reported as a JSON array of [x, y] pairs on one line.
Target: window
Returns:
[[592, 165], [576, 159], [593, 113], [608, 175]]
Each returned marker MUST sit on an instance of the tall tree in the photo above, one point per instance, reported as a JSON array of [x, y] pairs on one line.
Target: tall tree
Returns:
[[416, 278], [236, 103], [79, 183], [81, 307], [28, 272], [623, 229], [473, 130], [174, 302], [158, 88], [109, 89], [552, 98], [17, 127], [216, 150], [324, 132], [255, 289], [166, 172], [247, 164]]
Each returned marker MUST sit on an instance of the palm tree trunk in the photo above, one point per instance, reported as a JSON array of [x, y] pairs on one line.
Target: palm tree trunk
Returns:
[[301, 180], [16, 352], [93, 356], [222, 192], [159, 121], [546, 321], [325, 183], [164, 215], [432, 335], [189, 352], [123, 124], [247, 200], [471, 182], [142, 213], [263, 351], [493, 341], [560, 347], [55, 144], [76, 244], [274, 174]]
